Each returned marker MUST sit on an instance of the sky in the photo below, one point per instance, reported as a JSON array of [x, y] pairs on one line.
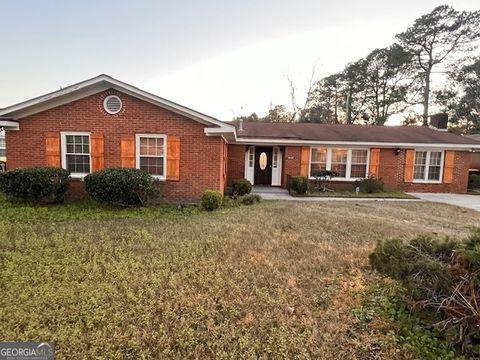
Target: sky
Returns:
[[223, 58]]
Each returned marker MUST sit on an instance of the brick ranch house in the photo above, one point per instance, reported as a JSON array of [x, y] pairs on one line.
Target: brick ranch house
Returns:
[[103, 122]]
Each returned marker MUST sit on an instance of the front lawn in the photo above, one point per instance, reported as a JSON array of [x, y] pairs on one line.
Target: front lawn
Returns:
[[274, 280]]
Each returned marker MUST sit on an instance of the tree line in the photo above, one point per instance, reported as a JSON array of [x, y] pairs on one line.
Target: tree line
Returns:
[[398, 79]]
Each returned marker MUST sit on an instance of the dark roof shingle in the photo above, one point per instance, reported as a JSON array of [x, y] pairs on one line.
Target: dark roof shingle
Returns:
[[351, 133]]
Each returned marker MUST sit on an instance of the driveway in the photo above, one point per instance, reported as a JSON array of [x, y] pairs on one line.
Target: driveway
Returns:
[[467, 201]]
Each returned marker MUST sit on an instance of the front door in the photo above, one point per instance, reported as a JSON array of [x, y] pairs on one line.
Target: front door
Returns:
[[263, 166]]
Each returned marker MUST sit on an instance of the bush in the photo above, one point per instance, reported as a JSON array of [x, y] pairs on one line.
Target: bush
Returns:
[[212, 200], [38, 184], [371, 185], [474, 182], [441, 278], [250, 199], [123, 187], [241, 187], [298, 184], [323, 179]]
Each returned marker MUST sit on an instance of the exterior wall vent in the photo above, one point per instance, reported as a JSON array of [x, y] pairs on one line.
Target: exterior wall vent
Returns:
[[112, 104]]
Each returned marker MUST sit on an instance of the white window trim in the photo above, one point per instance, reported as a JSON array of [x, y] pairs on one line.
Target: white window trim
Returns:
[[328, 165], [137, 152], [63, 137], [427, 167]]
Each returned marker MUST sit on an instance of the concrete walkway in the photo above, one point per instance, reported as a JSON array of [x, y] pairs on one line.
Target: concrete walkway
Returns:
[[463, 200]]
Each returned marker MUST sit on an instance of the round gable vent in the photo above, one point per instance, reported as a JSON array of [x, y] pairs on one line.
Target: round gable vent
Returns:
[[112, 104]]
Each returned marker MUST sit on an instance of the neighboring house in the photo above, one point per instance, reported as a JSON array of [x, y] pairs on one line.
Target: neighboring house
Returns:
[[475, 158], [3, 153], [103, 122]]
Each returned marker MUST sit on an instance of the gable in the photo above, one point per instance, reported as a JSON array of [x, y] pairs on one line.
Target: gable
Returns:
[[97, 85]]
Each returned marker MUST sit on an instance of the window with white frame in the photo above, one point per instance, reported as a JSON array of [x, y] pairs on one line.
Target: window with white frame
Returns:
[[349, 164], [428, 166], [251, 156], [339, 162], [151, 154], [76, 153], [2, 147], [275, 157], [358, 167], [318, 161]]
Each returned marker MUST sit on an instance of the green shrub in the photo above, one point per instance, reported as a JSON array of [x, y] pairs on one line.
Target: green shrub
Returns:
[[123, 187], [474, 181], [212, 200], [371, 185], [230, 202], [441, 278], [241, 187], [298, 184], [38, 184], [250, 199]]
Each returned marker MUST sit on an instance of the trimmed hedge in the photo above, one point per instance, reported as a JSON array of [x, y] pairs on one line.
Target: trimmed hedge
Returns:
[[298, 184], [212, 200], [241, 187], [37, 184], [121, 186]]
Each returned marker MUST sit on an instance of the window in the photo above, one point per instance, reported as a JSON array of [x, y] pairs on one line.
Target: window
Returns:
[[275, 158], [339, 162], [2, 147], [251, 156], [359, 164], [76, 153], [349, 164], [318, 161], [151, 156], [428, 166]]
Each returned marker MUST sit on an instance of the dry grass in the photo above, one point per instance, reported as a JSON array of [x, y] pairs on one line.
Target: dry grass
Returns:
[[276, 280]]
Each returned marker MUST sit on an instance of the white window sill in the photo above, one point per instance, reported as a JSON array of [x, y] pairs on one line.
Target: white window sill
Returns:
[[78, 176], [340, 179], [426, 181]]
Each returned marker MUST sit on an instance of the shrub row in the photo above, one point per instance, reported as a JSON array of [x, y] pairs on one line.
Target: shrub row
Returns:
[[300, 184]]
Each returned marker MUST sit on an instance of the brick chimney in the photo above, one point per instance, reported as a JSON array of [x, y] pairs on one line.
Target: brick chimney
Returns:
[[439, 121]]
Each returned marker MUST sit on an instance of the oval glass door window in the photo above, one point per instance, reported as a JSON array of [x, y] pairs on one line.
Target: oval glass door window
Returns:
[[262, 161]]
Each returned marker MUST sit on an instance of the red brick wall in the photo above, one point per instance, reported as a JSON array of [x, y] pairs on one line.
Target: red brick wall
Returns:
[[201, 160], [291, 162], [236, 163]]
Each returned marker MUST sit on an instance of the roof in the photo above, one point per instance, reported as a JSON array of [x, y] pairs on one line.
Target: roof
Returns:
[[474, 136], [93, 86], [367, 134]]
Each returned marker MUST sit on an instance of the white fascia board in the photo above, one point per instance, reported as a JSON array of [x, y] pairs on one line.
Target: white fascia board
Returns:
[[262, 141], [9, 125]]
